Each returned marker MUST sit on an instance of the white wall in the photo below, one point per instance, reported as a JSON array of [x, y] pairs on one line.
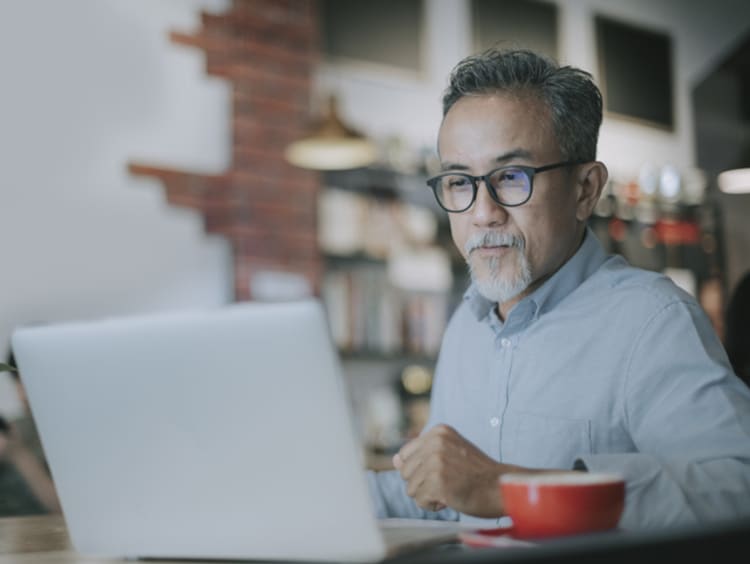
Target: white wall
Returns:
[[88, 85]]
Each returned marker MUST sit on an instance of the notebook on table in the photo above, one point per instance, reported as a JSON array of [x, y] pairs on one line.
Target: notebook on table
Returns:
[[223, 433]]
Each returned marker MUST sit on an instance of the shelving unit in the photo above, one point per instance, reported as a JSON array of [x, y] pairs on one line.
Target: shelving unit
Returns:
[[370, 316], [660, 234], [368, 218], [369, 313]]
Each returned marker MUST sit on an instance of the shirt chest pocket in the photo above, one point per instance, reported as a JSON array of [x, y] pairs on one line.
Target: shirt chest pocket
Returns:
[[542, 441]]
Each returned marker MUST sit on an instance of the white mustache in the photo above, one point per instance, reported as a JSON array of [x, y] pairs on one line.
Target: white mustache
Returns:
[[493, 239]]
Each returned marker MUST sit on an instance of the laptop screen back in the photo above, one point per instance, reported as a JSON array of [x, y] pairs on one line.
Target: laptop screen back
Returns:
[[223, 433]]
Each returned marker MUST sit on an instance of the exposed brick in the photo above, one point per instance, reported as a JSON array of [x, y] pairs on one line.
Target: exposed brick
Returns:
[[247, 77], [303, 181], [248, 130], [275, 112], [268, 50], [292, 12], [256, 161]]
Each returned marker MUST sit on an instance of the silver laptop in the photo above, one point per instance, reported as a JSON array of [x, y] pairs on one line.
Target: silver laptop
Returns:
[[211, 434]]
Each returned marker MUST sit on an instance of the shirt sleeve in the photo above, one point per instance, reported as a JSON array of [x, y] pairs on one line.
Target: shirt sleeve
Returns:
[[388, 489], [388, 492], [689, 418]]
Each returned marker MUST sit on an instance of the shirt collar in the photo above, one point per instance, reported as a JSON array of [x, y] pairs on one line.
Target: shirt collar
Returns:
[[586, 260], [479, 305]]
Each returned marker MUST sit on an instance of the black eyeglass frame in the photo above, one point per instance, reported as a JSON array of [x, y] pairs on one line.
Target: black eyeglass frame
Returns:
[[530, 171]]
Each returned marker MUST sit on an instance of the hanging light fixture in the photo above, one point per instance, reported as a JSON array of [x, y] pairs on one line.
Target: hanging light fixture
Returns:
[[735, 181], [331, 145]]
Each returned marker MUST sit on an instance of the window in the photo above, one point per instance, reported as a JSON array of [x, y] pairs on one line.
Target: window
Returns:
[[635, 71], [386, 32]]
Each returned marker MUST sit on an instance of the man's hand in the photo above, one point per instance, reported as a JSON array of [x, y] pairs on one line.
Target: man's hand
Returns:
[[441, 468]]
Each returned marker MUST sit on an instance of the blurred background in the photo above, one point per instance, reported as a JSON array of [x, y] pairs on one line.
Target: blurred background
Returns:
[[151, 160]]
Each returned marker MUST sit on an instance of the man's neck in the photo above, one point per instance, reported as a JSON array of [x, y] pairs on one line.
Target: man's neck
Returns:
[[503, 309]]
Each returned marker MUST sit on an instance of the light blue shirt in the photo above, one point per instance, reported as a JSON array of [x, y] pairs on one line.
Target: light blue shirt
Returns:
[[604, 363]]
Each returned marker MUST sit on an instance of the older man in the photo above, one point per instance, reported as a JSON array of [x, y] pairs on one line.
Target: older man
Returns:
[[561, 357]]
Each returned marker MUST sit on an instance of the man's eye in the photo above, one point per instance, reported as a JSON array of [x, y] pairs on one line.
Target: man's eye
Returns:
[[458, 182], [512, 177]]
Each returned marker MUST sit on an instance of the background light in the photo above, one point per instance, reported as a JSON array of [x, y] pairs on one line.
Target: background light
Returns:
[[736, 181], [331, 145]]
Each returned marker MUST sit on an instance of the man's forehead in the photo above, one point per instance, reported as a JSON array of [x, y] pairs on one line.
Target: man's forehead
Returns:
[[516, 155], [501, 126]]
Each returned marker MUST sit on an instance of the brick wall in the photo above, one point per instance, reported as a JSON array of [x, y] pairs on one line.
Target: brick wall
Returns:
[[267, 49]]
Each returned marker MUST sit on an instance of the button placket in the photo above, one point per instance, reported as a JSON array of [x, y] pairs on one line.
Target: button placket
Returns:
[[504, 358]]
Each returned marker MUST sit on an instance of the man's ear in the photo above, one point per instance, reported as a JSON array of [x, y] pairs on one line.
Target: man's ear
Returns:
[[591, 179]]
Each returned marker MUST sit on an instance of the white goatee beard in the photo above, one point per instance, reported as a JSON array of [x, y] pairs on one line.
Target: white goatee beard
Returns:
[[487, 275]]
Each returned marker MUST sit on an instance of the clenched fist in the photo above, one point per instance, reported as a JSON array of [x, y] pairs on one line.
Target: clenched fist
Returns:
[[441, 468]]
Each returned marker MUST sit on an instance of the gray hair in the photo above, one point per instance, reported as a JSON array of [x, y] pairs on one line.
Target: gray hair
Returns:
[[573, 98]]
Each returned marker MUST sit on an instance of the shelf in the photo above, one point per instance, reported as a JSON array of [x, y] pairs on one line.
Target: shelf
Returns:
[[383, 183], [377, 356], [352, 260], [370, 308]]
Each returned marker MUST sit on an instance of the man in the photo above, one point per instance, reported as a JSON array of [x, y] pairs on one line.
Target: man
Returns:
[[561, 357]]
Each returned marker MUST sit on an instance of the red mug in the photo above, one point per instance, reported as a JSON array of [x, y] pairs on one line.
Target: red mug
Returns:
[[554, 504]]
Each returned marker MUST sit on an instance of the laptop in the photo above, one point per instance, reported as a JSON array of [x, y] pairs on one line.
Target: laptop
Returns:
[[221, 433]]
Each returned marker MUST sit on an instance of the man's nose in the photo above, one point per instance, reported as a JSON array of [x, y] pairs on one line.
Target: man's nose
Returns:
[[486, 211]]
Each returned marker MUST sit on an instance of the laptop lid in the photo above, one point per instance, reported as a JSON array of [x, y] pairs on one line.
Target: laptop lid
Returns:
[[221, 433]]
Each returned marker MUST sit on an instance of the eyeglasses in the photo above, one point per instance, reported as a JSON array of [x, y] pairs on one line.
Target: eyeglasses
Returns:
[[509, 186]]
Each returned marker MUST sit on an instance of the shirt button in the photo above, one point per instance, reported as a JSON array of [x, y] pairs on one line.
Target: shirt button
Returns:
[[494, 421], [505, 342]]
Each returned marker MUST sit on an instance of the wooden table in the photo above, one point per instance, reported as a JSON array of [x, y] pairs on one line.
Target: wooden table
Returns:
[[34, 539], [43, 540]]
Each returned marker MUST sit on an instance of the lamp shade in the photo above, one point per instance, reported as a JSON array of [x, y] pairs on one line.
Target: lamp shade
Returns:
[[735, 181], [331, 145]]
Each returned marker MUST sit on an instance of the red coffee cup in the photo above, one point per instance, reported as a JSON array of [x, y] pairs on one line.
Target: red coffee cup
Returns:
[[555, 504]]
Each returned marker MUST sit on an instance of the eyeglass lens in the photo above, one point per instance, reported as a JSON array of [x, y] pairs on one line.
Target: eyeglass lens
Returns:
[[511, 186]]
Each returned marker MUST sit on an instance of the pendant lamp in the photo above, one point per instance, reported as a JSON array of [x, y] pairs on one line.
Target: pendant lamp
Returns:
[[331, 145]]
